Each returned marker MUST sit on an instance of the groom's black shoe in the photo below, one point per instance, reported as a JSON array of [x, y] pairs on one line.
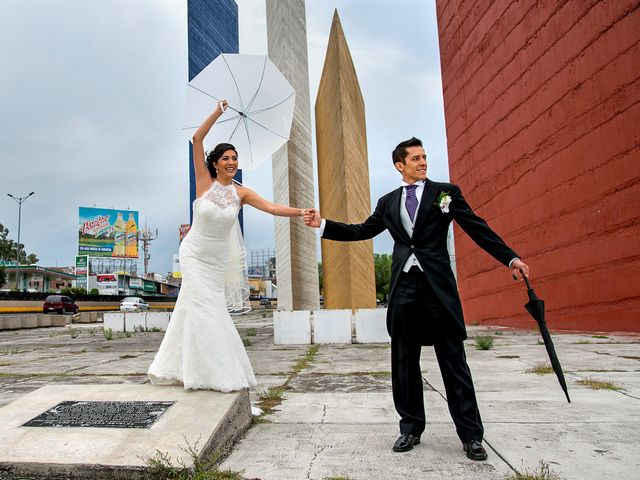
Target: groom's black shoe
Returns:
[[406, 442], [475, 450]]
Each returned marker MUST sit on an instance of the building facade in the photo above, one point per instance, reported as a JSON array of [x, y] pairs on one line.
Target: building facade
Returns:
[[542, 107]]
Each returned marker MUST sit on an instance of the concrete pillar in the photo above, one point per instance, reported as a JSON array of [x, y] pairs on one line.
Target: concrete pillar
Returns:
[[343, 177], [296, 264]]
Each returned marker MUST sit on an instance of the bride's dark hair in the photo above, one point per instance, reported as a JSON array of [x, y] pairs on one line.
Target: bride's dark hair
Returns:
[[214, 155]]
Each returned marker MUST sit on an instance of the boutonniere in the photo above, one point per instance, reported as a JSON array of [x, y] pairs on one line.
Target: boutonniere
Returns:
[[443, 201]]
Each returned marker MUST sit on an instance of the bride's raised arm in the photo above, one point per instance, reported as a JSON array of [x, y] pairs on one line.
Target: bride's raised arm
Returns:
[[203, 178], [250, 197]]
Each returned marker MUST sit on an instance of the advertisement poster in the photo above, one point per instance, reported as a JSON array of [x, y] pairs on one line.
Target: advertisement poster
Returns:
[[107, 284], [108, 233], [82, 270], [183, 230], [175, 269]]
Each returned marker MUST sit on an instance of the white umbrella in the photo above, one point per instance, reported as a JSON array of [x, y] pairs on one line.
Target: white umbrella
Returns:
[[261, 101]]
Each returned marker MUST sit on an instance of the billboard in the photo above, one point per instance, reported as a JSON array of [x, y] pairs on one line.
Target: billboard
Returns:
[[107, 284], [175, 269], [108, 233], [136, 283], [183, 230], [82, 270]]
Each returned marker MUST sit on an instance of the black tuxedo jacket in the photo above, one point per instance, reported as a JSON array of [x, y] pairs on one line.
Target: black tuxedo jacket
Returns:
[[428, 242]]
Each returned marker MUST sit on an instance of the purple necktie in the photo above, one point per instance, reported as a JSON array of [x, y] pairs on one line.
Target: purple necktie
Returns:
[[411, 202]]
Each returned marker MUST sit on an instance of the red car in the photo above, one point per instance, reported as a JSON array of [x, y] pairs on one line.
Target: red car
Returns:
[[60, 304]]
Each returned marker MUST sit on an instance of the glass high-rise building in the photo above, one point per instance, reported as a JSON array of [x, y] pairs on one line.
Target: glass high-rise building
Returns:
[[212, 30]]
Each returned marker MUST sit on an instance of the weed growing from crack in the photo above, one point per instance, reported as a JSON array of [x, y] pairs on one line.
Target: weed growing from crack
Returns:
[[274, 395], [595, 384], [246, 342], [541, 368], [542, 472], [205, 467], [305, 361], [108, 333], [268, 401], [484, 342], [252, 332]]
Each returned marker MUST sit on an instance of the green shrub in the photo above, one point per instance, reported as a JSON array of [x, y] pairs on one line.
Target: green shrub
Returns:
[[484, 342], [108, 334]]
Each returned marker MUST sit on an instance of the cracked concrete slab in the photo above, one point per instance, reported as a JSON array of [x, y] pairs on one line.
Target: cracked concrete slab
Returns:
[[576, 451], [352, 408], [358, 452], [337, 417]]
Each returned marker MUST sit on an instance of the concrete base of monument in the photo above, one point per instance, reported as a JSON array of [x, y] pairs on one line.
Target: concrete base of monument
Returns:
[[207, 420], [136, 321], [364, 325]]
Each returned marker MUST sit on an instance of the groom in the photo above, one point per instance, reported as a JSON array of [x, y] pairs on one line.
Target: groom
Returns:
[[424, 306]]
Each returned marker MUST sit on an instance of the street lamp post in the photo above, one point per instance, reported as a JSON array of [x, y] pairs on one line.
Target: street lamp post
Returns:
[[20, 201]]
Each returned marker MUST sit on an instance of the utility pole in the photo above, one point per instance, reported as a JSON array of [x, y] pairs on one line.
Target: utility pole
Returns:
[[20, 201], [146, 237]]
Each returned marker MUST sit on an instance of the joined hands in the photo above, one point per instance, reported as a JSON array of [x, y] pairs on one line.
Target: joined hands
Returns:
[[312, 217]]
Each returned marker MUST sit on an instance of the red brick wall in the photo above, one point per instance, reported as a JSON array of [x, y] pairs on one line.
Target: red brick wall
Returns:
[[542, 107]]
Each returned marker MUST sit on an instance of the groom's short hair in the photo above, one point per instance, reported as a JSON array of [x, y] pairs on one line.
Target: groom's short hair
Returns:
[[400, 152]]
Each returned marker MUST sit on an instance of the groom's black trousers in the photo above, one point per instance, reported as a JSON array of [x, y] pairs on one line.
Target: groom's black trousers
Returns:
[[419, 318]]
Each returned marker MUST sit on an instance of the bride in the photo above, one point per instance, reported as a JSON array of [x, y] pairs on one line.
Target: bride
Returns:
[[201, 348]]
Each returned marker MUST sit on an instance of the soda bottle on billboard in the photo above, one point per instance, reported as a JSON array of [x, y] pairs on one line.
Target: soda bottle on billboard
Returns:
[[132, 237], [119, 237]]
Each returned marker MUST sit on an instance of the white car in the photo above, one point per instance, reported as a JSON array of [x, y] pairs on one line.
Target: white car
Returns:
[[133, 304]]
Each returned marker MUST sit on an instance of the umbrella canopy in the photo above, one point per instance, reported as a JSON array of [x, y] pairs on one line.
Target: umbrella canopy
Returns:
[[535, 307], [260, 106]]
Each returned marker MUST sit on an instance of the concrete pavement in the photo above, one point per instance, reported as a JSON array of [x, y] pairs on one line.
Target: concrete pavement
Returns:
[[337, 417]]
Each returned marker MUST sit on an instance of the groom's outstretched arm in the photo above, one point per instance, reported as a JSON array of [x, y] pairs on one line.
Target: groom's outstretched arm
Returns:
[[344, 232]]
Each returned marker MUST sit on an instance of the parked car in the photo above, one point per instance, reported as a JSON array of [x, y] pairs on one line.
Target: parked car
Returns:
[[60, 304], [133, 304], [265, 302]]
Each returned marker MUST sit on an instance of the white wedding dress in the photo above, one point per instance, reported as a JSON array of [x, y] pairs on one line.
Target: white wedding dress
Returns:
[[201, 348]]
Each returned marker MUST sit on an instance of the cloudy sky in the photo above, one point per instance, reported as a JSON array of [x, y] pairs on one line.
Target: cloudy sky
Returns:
[[92, 105]]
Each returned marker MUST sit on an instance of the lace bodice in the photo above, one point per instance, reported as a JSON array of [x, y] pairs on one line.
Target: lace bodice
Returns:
[[222, 195]]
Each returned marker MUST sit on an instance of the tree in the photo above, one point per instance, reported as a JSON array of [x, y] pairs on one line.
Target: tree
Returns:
[[320, 276], [382, 267], [3, 276], [8, 249]]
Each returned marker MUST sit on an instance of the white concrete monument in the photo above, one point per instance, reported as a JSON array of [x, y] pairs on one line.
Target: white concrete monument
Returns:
[[296, 266]]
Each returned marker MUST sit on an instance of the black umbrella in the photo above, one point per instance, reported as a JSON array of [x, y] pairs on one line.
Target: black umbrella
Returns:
[[535, 307]]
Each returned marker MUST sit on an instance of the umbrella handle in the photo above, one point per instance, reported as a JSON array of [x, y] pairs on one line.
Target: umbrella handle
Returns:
[[526, 280]]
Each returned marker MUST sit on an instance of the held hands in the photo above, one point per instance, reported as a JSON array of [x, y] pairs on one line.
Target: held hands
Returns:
[[312, 218], [519, 270]]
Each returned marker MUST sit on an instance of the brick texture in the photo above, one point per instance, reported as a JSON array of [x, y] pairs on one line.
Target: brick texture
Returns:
[[542, 108]]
